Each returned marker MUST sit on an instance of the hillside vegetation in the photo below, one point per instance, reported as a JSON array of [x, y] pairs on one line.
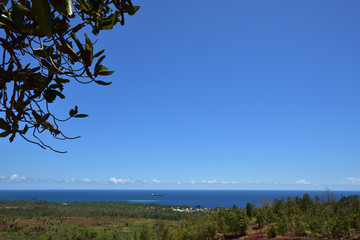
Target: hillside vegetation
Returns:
[[293, 217]]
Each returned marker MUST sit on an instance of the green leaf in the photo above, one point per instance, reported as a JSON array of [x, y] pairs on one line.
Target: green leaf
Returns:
[[40, 52], [57, 85], [50, 95], [132, 10], [16, 14], [60, 95], [61, 26], [26, 128], [23, 9], [45, 117], [88, 54], [5, 134], [73, 112], [7, 21], [78, 44], [50, 127], [63, 6], [65, 47], [106, 73], [26, 3], [4, 125], [87, 70], [81, 115], [56, 131], [33, 70], [102, 83], [47, 125], [41, 9], [84, 4], [78, 27], [36, 115], [11, 139], [108, 22], [3, 9], [98, 65], [99, 53], [62, 80], [88, 43], [46, 64]]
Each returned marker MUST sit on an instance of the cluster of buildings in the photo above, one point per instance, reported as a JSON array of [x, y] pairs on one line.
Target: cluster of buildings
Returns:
[[178, 209]]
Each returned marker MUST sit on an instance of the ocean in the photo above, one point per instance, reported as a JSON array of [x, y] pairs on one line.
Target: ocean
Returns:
[[204, 198]]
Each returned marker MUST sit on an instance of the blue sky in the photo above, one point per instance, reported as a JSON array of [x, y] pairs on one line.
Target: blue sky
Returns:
[[212, 95]]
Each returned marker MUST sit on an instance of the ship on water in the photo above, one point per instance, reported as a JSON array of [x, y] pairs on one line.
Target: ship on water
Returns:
[[156, 195]]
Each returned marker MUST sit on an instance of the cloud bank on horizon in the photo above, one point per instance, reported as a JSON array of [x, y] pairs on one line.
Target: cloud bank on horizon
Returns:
[[118, 183]]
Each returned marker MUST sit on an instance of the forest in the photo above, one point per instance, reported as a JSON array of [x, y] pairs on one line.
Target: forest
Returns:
[[293, 217]]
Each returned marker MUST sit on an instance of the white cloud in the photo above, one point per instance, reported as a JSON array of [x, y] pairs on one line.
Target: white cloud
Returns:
[[121, 181], [88, 180], [151, 182], [155, 181], [217, 182], [303, 182], [17, 178], [209, 182], [352, 180]]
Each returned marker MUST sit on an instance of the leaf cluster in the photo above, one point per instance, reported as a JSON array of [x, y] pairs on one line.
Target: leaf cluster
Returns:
[[42, 52]]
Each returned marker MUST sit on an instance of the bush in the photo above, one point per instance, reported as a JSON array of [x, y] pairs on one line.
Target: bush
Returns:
[[301, 229], [260, 217], [146, 233], [273, 231], [283, 226], [340, 227]]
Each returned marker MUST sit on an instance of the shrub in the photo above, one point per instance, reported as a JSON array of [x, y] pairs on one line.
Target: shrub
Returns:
[[301, 229], [273, 231]]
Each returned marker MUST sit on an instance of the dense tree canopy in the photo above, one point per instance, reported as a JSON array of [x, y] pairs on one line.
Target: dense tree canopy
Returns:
[[293, 218], [42, 50]]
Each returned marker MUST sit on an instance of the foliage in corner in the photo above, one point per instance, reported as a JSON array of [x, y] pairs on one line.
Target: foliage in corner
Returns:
[[41, 52]]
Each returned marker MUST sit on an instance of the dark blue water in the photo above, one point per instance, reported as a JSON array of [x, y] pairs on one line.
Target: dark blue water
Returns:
[[204, 198]]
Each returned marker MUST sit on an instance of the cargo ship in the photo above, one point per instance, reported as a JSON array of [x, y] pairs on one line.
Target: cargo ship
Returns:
[[156, 195]]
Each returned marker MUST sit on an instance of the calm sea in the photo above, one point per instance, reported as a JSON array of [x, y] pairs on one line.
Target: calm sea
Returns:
[[204, 198]]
